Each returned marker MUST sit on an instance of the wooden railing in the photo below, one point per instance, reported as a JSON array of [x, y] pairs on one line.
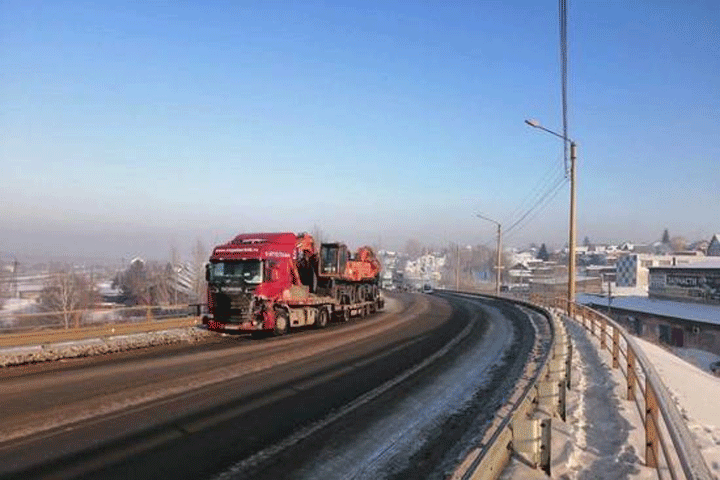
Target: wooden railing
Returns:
[[670, 446]]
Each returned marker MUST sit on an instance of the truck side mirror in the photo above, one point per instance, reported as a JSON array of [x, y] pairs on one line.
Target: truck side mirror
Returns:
[[207, 272]]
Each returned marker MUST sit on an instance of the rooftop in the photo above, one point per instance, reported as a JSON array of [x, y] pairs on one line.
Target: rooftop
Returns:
[[699, 312], [704, 265]]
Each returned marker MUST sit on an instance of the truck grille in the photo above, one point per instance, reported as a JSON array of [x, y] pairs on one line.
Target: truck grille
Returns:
[[233, 307]]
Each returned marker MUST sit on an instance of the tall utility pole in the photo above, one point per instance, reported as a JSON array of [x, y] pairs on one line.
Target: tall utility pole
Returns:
[[572, 236], [498, 261]]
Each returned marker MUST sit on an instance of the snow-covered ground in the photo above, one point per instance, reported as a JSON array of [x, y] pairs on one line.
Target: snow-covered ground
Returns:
[[603, 435], [695, 391]]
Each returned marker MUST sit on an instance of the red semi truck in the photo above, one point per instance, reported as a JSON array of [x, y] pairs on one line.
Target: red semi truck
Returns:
[[269, 282]]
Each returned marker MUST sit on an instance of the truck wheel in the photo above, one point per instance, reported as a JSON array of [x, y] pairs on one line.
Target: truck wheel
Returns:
[[282, 324], [345, 315], [322, 318]]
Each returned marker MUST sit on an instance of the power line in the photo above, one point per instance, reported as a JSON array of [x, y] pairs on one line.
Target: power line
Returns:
[[541, 190], [551, 194], [537, 191], [541, 202]]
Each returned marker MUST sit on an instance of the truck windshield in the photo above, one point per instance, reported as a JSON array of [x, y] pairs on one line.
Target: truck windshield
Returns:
[[249, 271]]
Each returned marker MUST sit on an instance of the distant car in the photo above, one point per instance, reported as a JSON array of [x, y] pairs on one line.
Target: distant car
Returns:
[[715, 367], [427, 288]]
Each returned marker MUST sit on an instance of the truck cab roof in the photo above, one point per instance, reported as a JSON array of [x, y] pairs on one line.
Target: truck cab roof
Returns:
[[256, 246]]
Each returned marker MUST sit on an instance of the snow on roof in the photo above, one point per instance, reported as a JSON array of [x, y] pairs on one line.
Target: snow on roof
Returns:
[[704, 264], [698, 312]]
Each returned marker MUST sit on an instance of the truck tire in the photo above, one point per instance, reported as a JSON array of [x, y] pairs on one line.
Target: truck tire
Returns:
[[282, 323], [322, 319], [345, 315]]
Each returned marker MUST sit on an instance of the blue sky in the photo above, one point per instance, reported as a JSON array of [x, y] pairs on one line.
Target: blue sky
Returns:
[[131, 126]]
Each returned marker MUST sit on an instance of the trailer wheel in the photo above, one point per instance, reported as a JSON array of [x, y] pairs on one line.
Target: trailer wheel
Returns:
[[282, 324], [322, 318]]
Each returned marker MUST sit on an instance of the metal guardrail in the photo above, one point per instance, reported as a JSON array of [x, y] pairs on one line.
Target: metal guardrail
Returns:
[[48, 321], [669, 444], [523, 428], [38, 328]]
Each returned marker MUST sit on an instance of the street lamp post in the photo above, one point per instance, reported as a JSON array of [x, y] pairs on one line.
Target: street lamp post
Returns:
[[498, 261], [572, 234]]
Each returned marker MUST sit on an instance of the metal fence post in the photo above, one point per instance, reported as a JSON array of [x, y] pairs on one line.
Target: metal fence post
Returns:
[[149, 315], [568, 366], [616, 348], [603, 339], [546, 442], [631, 377], [651, 428]]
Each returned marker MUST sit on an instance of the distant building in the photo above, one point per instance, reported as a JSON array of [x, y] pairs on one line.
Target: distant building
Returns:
[[713, 249], [668, 322], [632, 270], [696, 282], [426, 269]]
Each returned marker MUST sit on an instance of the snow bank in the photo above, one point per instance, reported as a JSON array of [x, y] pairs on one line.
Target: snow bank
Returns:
[[98, 346], [603, 433], [696, 392]]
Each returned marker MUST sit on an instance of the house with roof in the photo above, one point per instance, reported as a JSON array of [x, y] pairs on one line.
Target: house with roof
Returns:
[[696, 282], [669, 322]]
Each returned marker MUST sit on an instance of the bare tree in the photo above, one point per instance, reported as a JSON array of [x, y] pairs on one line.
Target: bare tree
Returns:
[[317, 235], [67, 292], [146, 284], [172, 273], [4, 286], [413, 248], [199, 258], [678, 244]]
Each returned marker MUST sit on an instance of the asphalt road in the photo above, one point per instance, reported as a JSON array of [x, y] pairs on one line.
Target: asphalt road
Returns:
[[373, 398]]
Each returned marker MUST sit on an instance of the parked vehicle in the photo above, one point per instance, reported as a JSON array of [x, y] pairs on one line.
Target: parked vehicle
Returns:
[[270, 282]]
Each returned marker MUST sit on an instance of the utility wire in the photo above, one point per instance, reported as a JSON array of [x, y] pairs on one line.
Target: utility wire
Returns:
[[525, 221], [541, 202], [546, 184], [545, 181]]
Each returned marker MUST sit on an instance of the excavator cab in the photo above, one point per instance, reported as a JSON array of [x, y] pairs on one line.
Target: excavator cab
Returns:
[[333, 259]]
